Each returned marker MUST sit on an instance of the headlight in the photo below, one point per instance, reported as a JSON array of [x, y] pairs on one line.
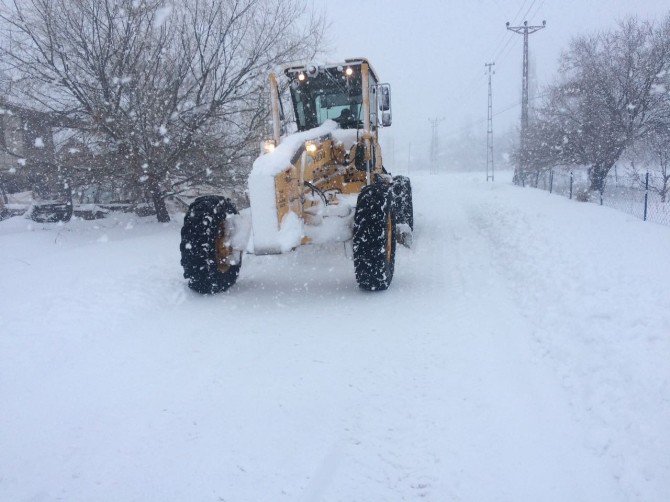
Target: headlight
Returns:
[[310, 146], [267, 146]]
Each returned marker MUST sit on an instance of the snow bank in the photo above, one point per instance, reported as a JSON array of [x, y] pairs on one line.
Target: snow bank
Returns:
[[520, 354], [593, 284], [269, 237]]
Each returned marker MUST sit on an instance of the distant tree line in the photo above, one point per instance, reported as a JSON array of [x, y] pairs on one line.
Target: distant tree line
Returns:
[[611, 100], [153, 96]]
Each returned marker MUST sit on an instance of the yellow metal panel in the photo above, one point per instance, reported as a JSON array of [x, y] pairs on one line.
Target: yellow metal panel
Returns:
[[287, 193]]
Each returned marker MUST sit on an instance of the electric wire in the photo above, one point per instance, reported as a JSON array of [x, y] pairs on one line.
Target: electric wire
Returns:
[[506, 34], [505, 109], [529, 8], [475, 83], [504, 46], [525, 16], [539, 6]]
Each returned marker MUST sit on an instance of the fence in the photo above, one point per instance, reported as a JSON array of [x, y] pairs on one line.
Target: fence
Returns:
[[625, 195]]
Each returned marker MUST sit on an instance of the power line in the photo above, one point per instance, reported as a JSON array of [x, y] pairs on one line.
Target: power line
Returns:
[[505, 109], [506, 35], [473, 84], [539, 6], [501, 51], [529, 8], [509, 47]]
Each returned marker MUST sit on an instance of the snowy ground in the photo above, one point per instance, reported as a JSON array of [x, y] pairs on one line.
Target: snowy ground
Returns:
[[522, 353]]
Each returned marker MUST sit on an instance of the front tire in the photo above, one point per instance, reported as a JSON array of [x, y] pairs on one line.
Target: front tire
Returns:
[[208, 260], [374, 238]]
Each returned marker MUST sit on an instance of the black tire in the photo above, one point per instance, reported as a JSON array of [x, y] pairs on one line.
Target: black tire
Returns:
[[374, 238], [204, 227], [402, 197]]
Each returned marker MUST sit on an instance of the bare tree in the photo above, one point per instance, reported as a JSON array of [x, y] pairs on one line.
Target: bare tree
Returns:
[[174, 90], [606, 99]]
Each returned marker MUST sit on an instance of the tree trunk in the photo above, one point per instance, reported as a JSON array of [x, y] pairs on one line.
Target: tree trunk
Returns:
[[519, 177], [158, 200], [597, 176]]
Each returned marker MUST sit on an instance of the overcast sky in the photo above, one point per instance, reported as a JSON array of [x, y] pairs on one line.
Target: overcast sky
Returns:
[[433, 52]]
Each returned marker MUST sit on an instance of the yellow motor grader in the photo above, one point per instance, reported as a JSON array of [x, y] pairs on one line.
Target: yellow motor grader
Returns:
[[324, 181]]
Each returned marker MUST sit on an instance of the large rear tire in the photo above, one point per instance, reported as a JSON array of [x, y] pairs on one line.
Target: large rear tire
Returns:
[[374, 238], [402, 195], [404, 209], [209, 263]]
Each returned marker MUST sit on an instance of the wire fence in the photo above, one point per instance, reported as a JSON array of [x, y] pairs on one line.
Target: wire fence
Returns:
[[634, 197]]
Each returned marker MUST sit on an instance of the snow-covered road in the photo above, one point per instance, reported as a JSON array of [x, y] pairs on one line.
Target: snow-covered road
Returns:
[[521, 353]]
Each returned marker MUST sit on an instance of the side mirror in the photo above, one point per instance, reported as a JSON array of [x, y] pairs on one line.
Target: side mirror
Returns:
[[386, 118], [385, 97], [384, 100]]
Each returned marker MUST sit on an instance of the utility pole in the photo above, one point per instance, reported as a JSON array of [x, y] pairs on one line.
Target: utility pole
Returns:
[[525, 30], [489, 128], [434, 139]]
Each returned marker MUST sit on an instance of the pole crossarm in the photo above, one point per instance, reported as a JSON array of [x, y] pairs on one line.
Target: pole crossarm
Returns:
[[522, 29]]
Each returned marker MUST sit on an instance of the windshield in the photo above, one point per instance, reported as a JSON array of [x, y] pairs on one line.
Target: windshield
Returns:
[[331, 94]]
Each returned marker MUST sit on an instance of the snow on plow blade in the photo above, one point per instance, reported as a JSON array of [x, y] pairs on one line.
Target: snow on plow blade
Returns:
[[274, 193]]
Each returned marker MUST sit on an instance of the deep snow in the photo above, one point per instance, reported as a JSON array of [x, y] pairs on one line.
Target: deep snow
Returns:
[[521, 353]]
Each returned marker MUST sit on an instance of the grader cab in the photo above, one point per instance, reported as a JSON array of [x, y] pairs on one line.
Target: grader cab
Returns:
[[321, 178]]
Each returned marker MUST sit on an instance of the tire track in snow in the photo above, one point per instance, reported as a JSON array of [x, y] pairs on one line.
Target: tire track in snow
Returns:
[[577, 278], [495, 377]]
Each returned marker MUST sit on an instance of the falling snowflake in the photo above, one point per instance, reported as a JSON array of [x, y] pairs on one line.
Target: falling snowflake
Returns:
[[161, 16]]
